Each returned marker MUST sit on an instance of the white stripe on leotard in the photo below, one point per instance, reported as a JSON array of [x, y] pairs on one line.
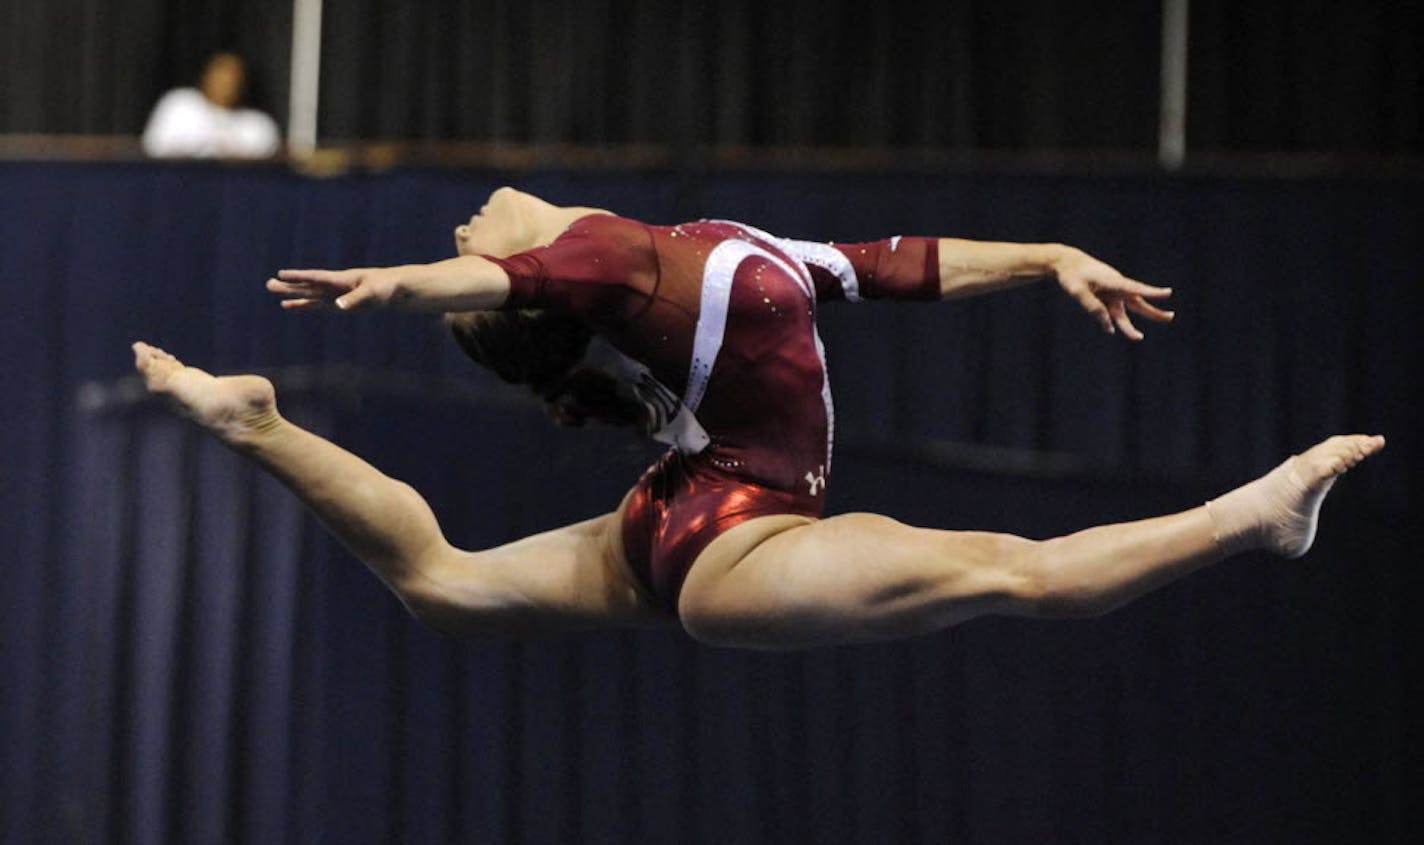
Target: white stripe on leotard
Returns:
[[829, 259], [798, 272], [717, 277], [824, 256]]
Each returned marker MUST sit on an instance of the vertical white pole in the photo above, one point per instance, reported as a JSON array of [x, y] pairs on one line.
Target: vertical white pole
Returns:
[[1172, 125], [306, 75]]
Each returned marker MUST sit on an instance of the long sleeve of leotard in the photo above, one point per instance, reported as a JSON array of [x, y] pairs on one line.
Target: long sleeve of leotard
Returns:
[[596, 256], [895, 268]]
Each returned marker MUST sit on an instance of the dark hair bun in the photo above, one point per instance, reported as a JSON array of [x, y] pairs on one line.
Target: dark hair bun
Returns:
[[591, 393], [542, 349]]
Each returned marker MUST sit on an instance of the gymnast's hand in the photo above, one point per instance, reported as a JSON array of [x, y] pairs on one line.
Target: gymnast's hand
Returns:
[[343, 289], [1108, 295]]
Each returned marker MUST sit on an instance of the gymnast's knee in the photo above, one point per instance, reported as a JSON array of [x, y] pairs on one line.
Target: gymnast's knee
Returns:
[[1016, 576], [1039, 587], [998, 573], [453, 592]]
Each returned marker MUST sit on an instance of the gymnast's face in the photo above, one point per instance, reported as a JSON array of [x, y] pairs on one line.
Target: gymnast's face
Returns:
[[504, 225]]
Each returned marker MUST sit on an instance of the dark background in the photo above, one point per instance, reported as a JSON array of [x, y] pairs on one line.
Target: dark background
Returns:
[[1307, 76], [186, 657]]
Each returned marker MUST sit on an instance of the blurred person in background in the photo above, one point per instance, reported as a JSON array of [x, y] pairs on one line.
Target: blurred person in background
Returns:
[[207, 121]]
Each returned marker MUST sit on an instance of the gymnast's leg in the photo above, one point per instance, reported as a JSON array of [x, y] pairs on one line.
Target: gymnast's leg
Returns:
[[789, 582], [573, 577]]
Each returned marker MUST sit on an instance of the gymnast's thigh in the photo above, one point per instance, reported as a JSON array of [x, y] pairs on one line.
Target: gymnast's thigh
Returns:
[[570, 578], [792, 581]]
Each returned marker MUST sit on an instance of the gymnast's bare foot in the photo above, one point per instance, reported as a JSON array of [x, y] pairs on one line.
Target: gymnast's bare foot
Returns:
[[1279, 510], [233, 408]]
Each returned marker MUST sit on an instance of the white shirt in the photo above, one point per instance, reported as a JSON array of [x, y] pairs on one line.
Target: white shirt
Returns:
[[184, 124]]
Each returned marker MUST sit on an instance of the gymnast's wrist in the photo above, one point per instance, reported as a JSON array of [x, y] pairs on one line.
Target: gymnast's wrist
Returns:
[[1047, 258]]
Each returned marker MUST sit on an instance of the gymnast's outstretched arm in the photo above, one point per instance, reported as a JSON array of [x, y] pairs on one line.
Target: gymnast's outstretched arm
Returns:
[[932, 269], [970, 268], [463, 283]]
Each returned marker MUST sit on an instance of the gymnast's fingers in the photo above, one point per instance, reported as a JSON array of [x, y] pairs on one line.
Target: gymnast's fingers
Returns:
[[1133, 286], [305, 304], [301, 290], [341, 279], [1094, 306], [1124, 322], [1140, 306]]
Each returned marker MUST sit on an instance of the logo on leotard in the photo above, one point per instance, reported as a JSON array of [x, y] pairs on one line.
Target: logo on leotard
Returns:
[[817, 482]]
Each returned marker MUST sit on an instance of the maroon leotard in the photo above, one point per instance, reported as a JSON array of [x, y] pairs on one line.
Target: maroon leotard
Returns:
[[723, 318]]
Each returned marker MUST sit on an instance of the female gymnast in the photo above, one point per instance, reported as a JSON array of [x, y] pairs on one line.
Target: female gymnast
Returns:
[[717, 321]]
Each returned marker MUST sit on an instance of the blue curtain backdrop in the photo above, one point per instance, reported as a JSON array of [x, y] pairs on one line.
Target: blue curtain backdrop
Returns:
[[185, 656]]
